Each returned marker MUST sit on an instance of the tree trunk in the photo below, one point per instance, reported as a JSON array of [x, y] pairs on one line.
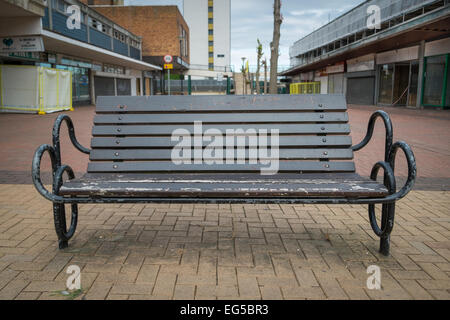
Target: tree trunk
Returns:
[[265, 76], [274, 46], [258, 88]]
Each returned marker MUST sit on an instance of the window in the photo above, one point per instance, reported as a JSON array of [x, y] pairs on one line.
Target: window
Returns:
[[210, 21], [183, 42], [211, 32], [211, 66], [220, 56], [211, 54], [120, 36], [97, 25], [210, 43], [210, 9], [134, 43]]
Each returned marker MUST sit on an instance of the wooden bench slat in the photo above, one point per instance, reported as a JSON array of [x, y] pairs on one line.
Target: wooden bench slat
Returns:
[[165, 154], [189, 118], [284, 129], [169, 166], [222, 104], [161, 142], [224, 185]]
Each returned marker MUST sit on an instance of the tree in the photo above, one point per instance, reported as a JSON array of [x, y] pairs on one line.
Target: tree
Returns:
[[274, 46], [243, 80], [259, 53], [264, 63]]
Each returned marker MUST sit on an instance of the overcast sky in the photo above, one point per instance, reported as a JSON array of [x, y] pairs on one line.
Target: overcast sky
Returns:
[[252, 19]]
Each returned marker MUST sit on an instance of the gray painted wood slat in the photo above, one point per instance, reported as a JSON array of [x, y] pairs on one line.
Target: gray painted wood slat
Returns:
[[221, 103], [161, 142], [159, 118], [165, 154], [168, 166], [146, 130], [188, 189]]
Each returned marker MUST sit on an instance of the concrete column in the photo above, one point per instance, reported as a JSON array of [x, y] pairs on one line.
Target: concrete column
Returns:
[[421, 69], [377, 82]]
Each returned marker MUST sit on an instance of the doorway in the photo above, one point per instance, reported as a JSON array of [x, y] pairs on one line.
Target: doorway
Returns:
[[398, 83], [436, 81]]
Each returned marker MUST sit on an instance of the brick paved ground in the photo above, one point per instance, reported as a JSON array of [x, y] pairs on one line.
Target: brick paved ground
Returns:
[[226, 251]]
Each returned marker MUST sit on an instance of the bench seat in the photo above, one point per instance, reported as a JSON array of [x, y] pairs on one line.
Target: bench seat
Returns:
[[224, 185]]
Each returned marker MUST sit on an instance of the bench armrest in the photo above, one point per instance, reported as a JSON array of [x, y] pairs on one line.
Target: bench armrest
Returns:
[[390, 153], [389, 132], [55, 157], [56, 132]]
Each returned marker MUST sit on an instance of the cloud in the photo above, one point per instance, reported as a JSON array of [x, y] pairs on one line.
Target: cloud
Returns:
[[253, 19]]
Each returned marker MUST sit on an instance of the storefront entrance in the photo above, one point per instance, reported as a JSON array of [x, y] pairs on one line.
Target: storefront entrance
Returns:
[[80, 84], [436, 91], [398, 83]]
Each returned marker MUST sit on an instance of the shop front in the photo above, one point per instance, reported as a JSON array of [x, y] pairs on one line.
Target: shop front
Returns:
[[81, 93], [436, 86], [398, 74], [336, 78], [361, 80]]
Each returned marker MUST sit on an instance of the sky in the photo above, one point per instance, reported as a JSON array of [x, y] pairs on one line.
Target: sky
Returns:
[[253, 19]]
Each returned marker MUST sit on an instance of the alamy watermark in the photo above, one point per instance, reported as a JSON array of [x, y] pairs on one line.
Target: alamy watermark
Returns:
[[235, 146], [374, 17], [74, 280], [74, 19], [374, 280]]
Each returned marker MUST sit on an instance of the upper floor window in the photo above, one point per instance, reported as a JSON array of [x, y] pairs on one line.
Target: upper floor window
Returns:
[[99, 26], [120, 36], [135, 43], [183, 42]]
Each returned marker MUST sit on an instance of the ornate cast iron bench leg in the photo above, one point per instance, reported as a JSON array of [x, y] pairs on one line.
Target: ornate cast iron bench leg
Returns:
[[388, 165], [59, 211]]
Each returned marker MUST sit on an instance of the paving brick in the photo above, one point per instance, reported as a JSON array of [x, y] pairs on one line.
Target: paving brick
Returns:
[[184, 292], [248, 288], [271, 293], [99, 290], [164, 286], [13, 289]]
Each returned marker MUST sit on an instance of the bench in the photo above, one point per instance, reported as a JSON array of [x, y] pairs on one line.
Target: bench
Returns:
[[161, 149]]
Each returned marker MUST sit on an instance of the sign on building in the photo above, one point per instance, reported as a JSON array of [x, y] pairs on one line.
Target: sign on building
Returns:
[[21, 44]]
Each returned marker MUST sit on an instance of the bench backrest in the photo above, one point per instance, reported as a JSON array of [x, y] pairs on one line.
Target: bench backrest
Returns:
[[134, 134]]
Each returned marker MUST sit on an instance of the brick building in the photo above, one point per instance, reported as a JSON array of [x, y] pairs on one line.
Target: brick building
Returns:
[[162, 28]]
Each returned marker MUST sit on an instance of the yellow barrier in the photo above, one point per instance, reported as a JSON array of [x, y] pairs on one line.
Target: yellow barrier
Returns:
[[305, 88], [35, 89]]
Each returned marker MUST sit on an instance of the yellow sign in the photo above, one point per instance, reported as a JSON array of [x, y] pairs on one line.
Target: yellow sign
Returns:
[[168, 66]]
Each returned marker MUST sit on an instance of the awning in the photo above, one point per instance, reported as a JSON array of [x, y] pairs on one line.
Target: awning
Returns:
[[62, 44]]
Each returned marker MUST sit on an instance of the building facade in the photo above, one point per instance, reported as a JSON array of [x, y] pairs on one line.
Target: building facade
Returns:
[[210, 33], [163, 31], [104, 57], [402, 59]]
